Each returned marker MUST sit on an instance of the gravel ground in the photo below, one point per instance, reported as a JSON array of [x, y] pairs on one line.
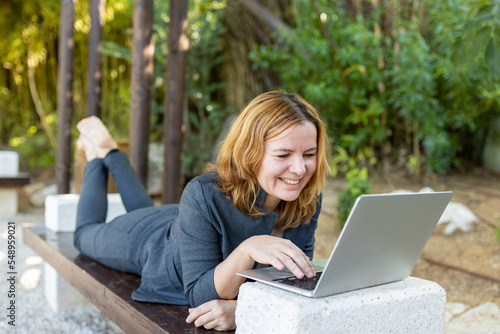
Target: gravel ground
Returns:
[[33, 314]]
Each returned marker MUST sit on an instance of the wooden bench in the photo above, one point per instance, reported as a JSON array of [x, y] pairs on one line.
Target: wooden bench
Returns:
[[20, 180], [109, 290], [9, 185]]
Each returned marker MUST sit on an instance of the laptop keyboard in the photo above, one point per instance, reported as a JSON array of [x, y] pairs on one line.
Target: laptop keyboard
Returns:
[[303, 283]]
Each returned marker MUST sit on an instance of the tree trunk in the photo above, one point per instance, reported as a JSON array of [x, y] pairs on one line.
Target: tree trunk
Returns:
[[94, 70], [248, 23], [175, 92], [65, 95], [141, 81]]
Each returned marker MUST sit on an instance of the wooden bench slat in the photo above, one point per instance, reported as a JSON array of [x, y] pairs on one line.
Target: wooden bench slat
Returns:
[[21, 179], [109, 290]]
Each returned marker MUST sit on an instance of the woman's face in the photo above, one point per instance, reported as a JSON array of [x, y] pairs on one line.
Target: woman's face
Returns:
[[289, 162]]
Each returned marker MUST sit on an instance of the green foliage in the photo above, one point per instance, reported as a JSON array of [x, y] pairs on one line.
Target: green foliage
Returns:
[[30, 46], [32, 38], [204, 115], [357, 185], [30, 145], [394, 88], [413, 82], [207, 113], [355, 168], [27, 45], [480, 34]]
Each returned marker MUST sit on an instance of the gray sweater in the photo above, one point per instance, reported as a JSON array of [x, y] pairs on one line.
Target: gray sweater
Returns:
[[206, 230]]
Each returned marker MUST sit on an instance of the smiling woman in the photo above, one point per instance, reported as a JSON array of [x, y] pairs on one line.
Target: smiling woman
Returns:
[[257, 205], [264, 119]]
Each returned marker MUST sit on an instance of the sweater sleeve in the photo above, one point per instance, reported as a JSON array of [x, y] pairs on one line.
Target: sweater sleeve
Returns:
[[199, 245]]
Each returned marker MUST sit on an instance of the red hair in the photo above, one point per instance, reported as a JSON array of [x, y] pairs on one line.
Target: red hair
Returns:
[[241, 153]]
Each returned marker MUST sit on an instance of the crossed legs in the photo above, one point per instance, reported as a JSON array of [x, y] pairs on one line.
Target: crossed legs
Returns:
[[105, 242]]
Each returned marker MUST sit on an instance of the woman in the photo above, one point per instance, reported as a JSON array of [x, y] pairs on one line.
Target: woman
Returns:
[[259, 204]]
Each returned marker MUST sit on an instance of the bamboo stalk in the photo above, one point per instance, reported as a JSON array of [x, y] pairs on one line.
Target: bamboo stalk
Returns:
[[38, 105]]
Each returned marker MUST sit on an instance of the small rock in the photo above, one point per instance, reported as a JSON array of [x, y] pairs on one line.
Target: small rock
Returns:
[[481, 319], [38, 198]]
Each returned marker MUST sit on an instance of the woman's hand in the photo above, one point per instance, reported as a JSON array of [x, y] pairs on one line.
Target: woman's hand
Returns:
[[265, 249], [215, 314], [279, 253]]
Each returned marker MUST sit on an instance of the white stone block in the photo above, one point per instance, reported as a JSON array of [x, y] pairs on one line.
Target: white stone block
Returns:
[[9, 167], [60, 294], [9, 164], [60, 211], [60, 216], [8, 201], [409, 306]]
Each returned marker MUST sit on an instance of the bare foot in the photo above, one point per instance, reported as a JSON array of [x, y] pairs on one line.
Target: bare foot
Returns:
[[88, 147], [97, 134]]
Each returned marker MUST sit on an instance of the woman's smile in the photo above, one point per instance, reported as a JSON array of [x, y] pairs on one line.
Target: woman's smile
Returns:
[[291, 182]]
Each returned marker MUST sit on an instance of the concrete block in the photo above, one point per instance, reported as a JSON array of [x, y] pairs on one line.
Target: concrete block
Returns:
[[60, 211], [409, 306], [9, 164], [60, 216], [8, 201], [60, 295], [9, 167]]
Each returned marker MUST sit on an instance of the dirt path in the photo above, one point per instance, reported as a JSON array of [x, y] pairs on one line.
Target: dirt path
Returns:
[[465, 264]]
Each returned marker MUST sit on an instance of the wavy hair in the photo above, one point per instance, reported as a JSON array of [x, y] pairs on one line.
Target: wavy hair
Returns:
[[241, 153]]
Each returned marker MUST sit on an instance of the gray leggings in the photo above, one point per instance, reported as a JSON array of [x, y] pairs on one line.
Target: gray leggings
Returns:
[[117, 244]]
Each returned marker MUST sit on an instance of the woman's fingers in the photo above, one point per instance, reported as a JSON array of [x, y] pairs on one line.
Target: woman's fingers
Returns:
[[298, 263], [298, 267], [215, 314], [195, 313], [280, 253]]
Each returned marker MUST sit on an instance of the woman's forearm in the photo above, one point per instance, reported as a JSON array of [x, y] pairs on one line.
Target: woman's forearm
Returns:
[[227, 283]]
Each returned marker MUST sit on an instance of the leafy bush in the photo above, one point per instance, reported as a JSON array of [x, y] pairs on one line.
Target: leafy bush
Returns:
[[414, 82], [34, 148], [385, 77], [355, 170], [357, 185]]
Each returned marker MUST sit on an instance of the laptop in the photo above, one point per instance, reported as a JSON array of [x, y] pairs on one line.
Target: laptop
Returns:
[[380, 243]]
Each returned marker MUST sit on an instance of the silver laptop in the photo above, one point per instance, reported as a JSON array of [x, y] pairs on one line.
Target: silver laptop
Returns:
[[380, 243]]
